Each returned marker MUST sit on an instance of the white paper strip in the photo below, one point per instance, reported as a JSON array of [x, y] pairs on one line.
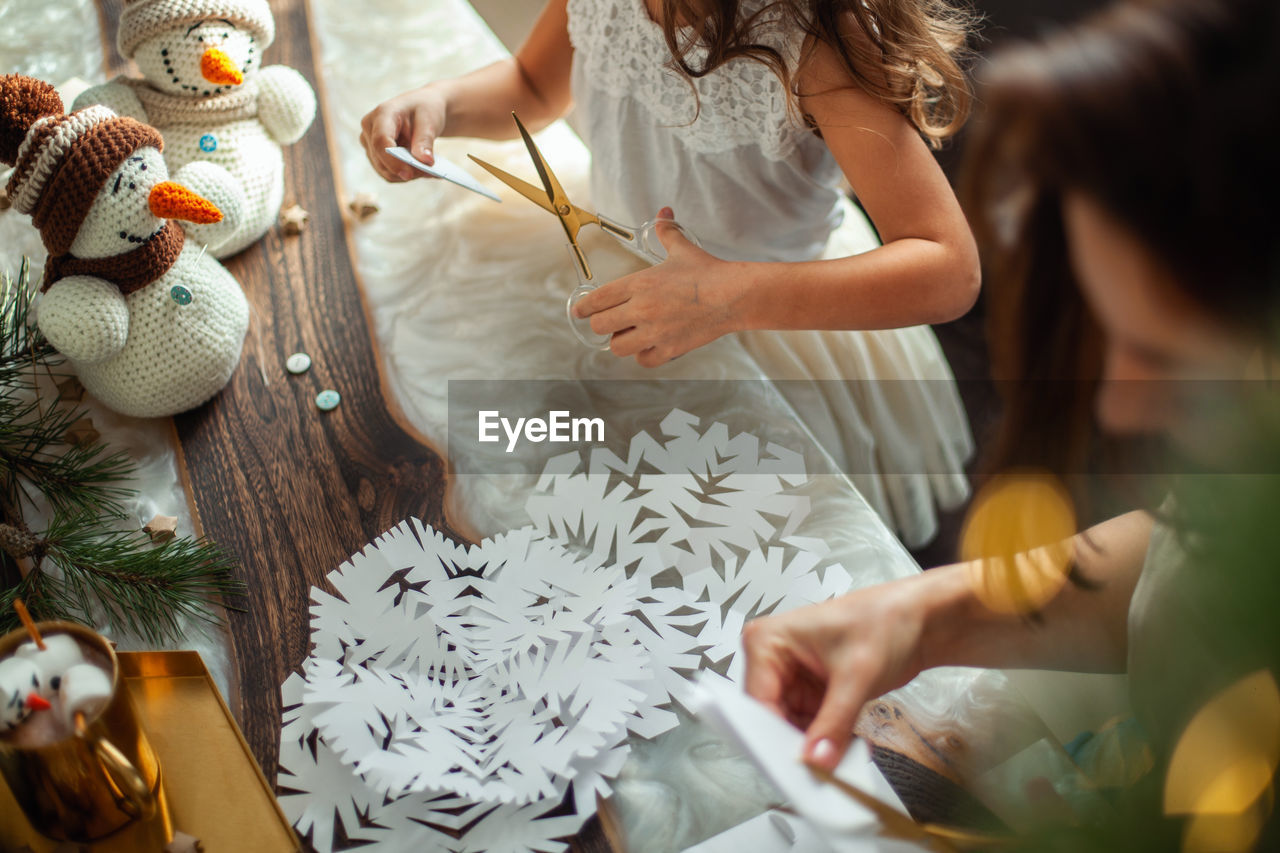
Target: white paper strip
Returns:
[[775, 746], [443, 168]]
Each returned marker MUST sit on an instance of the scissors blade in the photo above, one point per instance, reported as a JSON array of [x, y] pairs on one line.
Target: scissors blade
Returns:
[[537, 195], [560, 205]]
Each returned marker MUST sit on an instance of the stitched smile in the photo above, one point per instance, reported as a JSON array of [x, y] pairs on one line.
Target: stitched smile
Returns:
[[125, 235]]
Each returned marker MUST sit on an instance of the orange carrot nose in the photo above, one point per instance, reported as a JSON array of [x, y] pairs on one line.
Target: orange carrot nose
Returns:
[[219, 68], [174, 201], [36, 702]]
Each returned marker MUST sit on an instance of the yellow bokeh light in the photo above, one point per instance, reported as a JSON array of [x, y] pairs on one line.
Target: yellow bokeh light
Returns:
[[1017, 541], [1222, 768], [1234, 833]]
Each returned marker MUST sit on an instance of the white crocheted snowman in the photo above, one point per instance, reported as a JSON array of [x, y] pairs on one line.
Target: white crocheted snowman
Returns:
[[204, 88], [151, 323]]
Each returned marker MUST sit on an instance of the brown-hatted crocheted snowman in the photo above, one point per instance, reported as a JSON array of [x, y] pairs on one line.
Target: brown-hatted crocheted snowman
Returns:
[[152, 325], [205, 89]]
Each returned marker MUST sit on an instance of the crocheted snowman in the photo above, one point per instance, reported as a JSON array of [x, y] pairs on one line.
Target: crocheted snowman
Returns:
[[152, 324], [204, 88]]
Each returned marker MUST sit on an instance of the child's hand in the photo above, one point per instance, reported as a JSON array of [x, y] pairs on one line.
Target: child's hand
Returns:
[[663, 312], [413, 120]]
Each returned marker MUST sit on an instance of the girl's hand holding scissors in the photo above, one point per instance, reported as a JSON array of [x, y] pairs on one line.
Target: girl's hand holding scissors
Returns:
[[662, 312]]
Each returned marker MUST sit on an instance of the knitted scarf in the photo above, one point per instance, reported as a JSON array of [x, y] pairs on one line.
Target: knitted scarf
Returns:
[[132, 270], [164, 109]]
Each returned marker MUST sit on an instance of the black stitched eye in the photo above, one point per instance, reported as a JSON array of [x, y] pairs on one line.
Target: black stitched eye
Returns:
[[132, 185], [143, 167]]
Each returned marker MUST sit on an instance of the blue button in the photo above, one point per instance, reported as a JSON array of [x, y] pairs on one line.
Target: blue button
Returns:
[[208, 142], [327, 400], [180, 294]]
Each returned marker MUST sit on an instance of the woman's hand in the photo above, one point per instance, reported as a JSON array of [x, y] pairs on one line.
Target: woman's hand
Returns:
[[663, 312], [818, 665], [413, 119]]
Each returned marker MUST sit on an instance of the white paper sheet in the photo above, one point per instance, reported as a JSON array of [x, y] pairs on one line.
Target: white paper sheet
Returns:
[[443, 168], [775, 747]]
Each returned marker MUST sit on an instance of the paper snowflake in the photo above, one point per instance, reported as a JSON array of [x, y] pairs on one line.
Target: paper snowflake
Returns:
[[484, 672], [325, 800], [479, 698], [673, 505]]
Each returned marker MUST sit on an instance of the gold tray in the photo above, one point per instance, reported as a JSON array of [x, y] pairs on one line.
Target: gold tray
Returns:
[[212, 786]]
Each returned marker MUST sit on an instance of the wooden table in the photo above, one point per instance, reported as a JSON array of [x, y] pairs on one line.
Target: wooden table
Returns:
[[292, 491]]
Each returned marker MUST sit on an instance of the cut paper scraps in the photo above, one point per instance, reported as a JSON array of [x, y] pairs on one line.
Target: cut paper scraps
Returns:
[[479, 698]]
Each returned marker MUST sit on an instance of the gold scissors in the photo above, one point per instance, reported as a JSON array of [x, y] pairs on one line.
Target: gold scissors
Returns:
[[551, 197]]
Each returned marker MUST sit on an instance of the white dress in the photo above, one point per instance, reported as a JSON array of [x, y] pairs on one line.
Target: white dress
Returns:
[[743, 173]]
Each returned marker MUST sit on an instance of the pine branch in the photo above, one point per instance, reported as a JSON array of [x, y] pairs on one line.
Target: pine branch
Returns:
[[21, 344], [129, 583], [83, 567], [77, 478]]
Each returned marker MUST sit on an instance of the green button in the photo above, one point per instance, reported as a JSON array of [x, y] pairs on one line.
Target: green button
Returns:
[[180, 294], [328, 400]]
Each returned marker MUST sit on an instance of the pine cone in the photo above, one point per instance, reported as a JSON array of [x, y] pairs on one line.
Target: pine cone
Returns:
[[17, 541]]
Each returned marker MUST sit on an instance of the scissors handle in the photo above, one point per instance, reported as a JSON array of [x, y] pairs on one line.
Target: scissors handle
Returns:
[[582, 326], [643, 241]]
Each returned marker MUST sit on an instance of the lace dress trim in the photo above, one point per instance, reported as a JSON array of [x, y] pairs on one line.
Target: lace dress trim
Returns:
[[623, 52]]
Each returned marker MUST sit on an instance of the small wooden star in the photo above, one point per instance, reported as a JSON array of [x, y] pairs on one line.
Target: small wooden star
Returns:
[[162, 528], [70, 390], [183, 843], [293, 219], [81, 433], [363, 206]]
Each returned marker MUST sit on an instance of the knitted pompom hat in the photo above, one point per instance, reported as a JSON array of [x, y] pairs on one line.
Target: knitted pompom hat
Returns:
[[142, 19], [60, 161]]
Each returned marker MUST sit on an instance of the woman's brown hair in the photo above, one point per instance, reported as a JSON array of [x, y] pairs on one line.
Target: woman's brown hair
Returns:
[[907, 53], [1166, 112]]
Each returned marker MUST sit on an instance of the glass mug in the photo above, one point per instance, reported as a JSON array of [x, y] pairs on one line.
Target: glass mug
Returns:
[[95, 782]]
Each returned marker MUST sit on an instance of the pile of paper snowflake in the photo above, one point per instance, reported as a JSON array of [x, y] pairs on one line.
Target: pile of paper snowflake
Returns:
[[479, 698]]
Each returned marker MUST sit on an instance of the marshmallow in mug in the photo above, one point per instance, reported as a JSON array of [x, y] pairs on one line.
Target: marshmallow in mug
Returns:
[[21, 688], [85, 688], [79, 686], [60, 653], [30, 678]]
